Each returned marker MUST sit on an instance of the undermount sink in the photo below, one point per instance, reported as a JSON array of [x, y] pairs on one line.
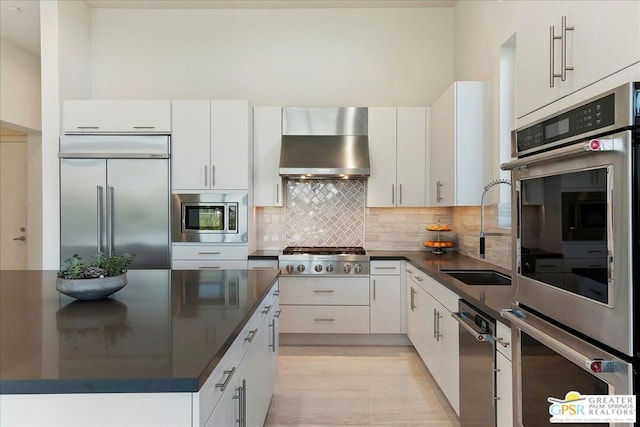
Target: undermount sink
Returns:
[[479, 277]]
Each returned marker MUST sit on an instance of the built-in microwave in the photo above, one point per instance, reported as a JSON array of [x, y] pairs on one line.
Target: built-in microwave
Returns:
[[209, 217]]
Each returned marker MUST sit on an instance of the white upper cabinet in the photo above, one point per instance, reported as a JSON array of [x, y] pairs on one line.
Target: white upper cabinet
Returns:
[[460, 144], [267, 131], [96, 116], [565, 46], [211, 143], [397, 149]]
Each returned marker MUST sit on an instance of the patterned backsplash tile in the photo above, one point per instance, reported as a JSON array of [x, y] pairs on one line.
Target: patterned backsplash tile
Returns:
[[327, 212]]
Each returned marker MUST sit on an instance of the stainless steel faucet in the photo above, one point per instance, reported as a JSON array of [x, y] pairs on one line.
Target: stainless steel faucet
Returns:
[[482, 233]]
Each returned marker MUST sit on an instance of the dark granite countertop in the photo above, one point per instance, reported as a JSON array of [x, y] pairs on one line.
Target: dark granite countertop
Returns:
[[490, 299], [164, 332]]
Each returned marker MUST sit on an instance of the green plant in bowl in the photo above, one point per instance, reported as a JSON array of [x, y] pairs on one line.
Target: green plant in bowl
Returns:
[[109, 266]]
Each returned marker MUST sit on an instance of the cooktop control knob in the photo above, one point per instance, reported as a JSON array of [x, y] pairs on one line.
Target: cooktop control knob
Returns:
[[300, 268], [329, 268], [347, 268], [357, 268], [289, 268], [318, 268]]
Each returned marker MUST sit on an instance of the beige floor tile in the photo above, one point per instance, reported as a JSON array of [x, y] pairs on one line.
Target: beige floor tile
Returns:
[[356, 386]]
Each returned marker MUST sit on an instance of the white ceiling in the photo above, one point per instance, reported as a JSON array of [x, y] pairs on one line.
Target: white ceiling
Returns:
[[23, 28]]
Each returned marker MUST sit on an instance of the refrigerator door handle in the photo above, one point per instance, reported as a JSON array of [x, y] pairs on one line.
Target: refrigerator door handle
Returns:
[[100, 210], [109, 220]]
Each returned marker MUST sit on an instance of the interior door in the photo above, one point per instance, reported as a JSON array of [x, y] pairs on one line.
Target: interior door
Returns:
[[13, 205], [82, 189], [138, 206]]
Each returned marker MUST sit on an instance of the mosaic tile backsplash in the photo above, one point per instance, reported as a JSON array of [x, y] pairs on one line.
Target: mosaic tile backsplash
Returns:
[[325, 212]]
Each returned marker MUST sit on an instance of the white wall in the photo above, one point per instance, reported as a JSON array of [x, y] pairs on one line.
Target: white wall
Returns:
[[274, 56], [65, 44], [19, 86]]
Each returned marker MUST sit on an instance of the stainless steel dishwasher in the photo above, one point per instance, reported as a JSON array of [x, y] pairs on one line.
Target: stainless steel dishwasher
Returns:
[[477, 366]]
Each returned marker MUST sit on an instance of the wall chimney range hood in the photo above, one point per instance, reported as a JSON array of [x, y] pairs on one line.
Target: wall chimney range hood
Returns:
[[324, 142]]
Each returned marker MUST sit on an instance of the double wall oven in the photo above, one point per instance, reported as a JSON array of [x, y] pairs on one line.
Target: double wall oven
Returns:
[[576, 179]]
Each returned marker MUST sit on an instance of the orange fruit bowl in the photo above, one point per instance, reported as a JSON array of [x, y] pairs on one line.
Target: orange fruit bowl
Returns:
[[436, 244], [443, 227]]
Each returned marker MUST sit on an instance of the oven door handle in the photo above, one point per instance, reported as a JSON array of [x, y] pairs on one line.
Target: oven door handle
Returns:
[[569, 151], [600, 364]]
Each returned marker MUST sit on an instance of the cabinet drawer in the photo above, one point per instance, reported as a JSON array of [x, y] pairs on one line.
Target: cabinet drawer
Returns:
[[548, 265], [324, 319], [186, 264], [441, 293], [263, 264], [503, 343], [209, 252], [385, 268], [324, 291], [90, 116], [584, 250]]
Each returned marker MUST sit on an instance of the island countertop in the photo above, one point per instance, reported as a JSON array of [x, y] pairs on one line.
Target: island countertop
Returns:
[[164, 332]]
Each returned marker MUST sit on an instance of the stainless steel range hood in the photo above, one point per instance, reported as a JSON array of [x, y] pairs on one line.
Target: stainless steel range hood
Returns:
[[324, 142]]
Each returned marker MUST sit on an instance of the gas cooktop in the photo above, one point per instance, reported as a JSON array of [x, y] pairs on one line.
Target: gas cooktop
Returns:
[[323, 250]]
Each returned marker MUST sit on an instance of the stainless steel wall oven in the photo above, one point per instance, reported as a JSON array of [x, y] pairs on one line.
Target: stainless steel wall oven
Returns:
[[575, 202]]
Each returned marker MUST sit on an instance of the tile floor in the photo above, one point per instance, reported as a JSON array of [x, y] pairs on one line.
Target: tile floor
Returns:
[[357, 386]]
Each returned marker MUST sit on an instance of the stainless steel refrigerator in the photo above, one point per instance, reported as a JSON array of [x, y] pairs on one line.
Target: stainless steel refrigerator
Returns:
[[114, 197]]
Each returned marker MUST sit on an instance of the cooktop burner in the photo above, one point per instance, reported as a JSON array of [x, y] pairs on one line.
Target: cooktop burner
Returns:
[[323, 250]]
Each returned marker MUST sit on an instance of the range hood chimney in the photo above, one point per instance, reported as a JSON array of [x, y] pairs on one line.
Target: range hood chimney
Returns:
[[324, 142]]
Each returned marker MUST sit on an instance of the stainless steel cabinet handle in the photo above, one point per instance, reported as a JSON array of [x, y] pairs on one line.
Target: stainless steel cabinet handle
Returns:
[[564, 66], [206, 176], [413, 293], [209, 267], [409, 271], [21, 238], [144, 127], [266, 309], [393, 194], [110, 191], [400, 195], [223, 385], [251, 335], [244, 403], [439, 197], [277, 194], [374, 289], [272, 325], [276, 292], [438, 332], [87, 127], [323, 291], [277, 315], [419, 279], [325, 319], [435, 317], [100, 210], [213, 175], [208, 253], [384, 268]]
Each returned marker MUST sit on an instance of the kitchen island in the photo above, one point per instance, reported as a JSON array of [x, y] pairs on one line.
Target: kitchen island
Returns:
[[151, 354]]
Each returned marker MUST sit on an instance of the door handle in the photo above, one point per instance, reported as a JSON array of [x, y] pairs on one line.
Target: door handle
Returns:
[[563, 63], [110, 191], [213, 175], [206, 176], [21, 238], [393, 194], [374, 289], [400, 195], [100, 210]]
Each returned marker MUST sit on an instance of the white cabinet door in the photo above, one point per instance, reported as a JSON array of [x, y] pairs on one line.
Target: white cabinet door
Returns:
[[448, 365], [231, 138], [190, 145], [606, 38], [385, 304], [504, 389], [459, 144], [258, 377], [381, 184], [411, 156], [227, 411], [274, 345], [95, 116], [267, 131], [418, 322]]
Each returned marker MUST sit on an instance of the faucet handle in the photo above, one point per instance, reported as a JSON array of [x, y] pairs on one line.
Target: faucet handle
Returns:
[[482, 247]]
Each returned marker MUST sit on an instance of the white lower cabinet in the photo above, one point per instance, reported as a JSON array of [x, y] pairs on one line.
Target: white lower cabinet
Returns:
[[247, 384], [190, 256], [504, 378], [433, 332], [385, 298]]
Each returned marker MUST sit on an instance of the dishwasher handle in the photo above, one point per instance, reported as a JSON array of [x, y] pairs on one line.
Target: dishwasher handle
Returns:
[[478, 333]]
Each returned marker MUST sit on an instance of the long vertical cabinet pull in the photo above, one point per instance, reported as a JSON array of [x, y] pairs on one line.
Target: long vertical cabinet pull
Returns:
[[272, 325], [374, 289], [438, 334], [110, 191], [413, 293], [213, 175], [277, 193], [400, 195], [435, 322], [565, 68], [100, 210], [244, 403], [439, 197], [206, 176], [393, 194]]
